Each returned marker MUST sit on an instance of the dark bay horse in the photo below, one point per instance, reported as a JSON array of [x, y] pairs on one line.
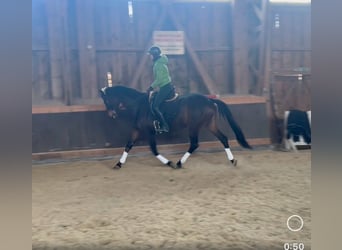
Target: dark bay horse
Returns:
[[193, 111]]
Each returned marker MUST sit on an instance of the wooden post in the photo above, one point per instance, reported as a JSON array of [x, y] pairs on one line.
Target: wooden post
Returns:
[[55, 27], [86, 46], [241, 47], [263, 47], [66, 67], [268, 76]]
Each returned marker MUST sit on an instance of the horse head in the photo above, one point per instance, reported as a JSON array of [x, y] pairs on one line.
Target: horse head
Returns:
[[119, 100]]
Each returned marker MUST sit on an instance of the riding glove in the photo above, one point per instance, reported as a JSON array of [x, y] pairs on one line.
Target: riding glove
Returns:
[[149, 90]]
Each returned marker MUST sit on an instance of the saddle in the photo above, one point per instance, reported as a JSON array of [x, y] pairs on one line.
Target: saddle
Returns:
[[171, 97]]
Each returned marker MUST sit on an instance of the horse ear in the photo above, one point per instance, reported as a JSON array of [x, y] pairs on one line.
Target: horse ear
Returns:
[[102, 92]]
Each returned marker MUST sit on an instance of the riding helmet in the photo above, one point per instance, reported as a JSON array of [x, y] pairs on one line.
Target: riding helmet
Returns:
[[154, 51]]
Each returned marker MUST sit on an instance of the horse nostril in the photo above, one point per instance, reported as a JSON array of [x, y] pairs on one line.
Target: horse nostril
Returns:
[[112, 114]]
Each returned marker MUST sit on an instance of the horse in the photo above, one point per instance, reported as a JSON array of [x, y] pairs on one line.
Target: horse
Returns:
[[191, 111]]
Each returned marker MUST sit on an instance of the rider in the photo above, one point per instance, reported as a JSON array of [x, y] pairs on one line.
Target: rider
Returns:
[[161, 85]]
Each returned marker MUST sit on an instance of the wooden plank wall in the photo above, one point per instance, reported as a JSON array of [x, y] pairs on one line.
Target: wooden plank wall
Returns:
[[41, 86], [90, 130], [209, 30], [291, 42], [291, 57], [289, 64], [76, 42]]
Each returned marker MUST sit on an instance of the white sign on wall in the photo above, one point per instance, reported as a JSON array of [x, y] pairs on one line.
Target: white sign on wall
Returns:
[[170, 42]]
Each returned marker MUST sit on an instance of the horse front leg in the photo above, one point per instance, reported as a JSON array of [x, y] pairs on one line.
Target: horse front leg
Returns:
[[153, 147], [129, 145], [193, 146]]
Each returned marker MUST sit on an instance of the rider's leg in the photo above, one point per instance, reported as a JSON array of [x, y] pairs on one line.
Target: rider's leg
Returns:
[[163, 124], [157, 101]]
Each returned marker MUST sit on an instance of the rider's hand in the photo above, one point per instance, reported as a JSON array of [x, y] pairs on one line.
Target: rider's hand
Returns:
[[149, 90], [150, 96]]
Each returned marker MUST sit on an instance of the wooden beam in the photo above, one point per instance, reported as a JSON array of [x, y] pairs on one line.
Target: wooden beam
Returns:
[[238, 100], [208, 82], [66, 109], [233, 100]]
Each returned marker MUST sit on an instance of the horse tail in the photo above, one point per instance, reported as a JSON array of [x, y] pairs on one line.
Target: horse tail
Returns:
[[225, 112]]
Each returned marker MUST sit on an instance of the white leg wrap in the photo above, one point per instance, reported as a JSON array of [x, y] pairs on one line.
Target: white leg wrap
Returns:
[[162, 159], [309, 116], [123, 157], [292, 144], [185, 157], [229, 154]]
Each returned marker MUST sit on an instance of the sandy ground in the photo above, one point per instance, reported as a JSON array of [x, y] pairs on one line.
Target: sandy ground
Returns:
[[207, 205]]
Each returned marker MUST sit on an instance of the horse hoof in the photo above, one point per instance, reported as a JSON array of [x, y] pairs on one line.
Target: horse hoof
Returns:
[[117, 166], [234, 162], [179, 164], [172, 165]]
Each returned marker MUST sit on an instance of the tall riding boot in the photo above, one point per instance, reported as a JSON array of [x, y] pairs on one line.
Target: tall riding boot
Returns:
[[164, 127]]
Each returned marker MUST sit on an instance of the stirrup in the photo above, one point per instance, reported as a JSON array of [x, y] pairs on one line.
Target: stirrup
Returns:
[[157, 127], [160, 131]]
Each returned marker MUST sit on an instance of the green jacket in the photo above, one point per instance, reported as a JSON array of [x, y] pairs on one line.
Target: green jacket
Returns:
[[161, 72]]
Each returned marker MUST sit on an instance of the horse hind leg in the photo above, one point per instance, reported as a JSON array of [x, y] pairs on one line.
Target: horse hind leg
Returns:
[[223, 139]]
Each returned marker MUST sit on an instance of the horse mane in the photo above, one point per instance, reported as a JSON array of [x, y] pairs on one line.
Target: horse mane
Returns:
[[120, 91]]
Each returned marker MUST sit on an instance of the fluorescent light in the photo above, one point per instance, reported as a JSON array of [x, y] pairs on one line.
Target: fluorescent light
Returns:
[[130, 8]]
